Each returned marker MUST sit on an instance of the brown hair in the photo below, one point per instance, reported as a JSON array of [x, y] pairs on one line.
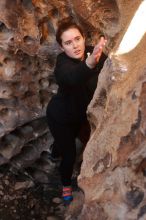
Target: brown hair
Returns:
[[63, 26]]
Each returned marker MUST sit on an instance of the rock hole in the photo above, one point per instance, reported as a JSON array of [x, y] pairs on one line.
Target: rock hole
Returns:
[[28, 40], [4, 91], [55, 12], [134, 197], [93, 127], [142, 211], [6, 60], [12, 39], [101, 99], [4, 111], [107, 11], [2, 26], [27, 4]]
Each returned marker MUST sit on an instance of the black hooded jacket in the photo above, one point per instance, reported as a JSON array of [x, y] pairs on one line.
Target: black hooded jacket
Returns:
[[77, 83]]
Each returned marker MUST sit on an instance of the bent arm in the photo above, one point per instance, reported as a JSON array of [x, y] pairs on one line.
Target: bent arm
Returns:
[[69, 73], [94, 58]]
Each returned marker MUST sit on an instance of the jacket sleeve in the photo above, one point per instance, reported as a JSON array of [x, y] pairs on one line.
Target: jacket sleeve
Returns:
[[101, 62], [92, 83], [72, 73]]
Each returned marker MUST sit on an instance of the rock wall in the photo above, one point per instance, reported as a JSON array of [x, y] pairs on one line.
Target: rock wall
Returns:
[[113, 170], [27, 56], [114, 159]]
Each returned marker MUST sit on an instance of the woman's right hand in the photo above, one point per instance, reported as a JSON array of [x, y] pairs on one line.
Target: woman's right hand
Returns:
[[93, 59]]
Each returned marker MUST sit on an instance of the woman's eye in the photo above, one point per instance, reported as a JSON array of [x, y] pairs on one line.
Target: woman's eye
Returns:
[[68, 43], [78, 38]]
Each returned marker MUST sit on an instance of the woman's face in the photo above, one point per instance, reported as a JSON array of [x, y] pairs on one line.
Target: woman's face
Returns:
[[73, 43]]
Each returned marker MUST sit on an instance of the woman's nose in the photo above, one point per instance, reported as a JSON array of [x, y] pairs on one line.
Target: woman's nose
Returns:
[[75, 44]]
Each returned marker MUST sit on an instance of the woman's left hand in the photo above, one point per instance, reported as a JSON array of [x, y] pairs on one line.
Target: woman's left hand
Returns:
[[93, 59]]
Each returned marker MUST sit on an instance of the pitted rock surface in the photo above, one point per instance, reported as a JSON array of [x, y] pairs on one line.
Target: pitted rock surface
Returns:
[[113, 170]]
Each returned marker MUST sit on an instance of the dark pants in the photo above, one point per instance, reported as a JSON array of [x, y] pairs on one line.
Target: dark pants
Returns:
[[64, 145]]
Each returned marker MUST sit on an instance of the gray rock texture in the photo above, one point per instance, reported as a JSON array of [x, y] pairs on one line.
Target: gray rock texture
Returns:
[[113, 171]]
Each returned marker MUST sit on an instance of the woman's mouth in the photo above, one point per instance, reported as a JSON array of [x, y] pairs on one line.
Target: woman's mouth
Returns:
[[77, 52]]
